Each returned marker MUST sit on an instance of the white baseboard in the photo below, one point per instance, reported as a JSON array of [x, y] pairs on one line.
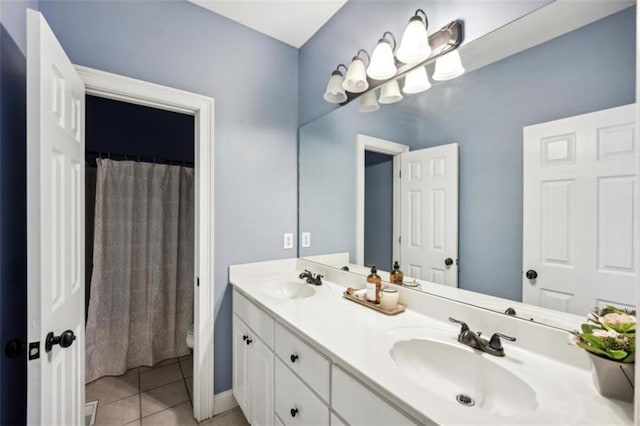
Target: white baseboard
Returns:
[[224, 401]]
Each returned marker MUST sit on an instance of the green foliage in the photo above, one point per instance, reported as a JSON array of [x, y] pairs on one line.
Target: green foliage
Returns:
[[609, 333]]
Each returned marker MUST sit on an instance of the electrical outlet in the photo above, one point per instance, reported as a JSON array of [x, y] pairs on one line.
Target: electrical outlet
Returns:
[[288, 240], [306, 239]]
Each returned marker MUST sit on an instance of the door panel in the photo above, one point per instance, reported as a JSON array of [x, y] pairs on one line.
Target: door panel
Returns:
[[241, 366], [55, 217], [429, 214], [581, 211], [262, 386]]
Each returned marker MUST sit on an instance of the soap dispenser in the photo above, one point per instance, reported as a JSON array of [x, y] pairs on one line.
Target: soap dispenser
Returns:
[[374, 285], [396, 276]]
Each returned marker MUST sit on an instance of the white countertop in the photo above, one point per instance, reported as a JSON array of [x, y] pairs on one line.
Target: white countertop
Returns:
[[359, 339]]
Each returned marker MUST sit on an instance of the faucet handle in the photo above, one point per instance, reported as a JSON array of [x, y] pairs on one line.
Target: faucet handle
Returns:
[[495, 342], [463, 325]]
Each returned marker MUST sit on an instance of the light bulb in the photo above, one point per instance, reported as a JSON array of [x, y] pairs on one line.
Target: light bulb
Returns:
[[416, 81], [448, 66], [390, 93], [414, 46], [335, 92], [368, 102], [356, 79], [382, 65]]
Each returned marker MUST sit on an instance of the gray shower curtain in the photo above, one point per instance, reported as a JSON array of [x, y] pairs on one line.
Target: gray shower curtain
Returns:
[[141, 303]]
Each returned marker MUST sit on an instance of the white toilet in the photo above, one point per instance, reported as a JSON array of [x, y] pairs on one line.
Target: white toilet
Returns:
[[190, 337]]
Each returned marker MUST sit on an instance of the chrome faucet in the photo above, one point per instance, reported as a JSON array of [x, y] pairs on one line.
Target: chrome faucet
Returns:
[[492, 346], [311, 278]]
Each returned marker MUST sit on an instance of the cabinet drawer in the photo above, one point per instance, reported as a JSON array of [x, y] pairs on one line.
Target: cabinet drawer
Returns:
[[311, 366], [257, 320], [358, 405], [292, 394]]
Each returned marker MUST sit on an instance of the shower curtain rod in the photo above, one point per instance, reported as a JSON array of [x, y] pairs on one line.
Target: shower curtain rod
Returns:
[[139, 158]]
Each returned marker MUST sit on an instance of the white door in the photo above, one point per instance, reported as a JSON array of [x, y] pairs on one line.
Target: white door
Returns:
[[241, 365], [580, 233], [262, 386], [429, 214], [55, 219]]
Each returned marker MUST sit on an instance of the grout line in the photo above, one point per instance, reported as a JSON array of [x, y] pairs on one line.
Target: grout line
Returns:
[[139, 395]]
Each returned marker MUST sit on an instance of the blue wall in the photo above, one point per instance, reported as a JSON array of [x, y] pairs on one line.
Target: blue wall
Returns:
[[589, 69], [360, 23], [179, 44], [13, 204]]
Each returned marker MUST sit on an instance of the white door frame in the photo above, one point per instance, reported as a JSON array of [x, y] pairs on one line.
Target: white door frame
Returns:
[[117, 87], [381, 146]]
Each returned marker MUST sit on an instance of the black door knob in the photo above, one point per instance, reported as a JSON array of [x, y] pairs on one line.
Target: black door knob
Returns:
[[64, 340], [448, 261], [294, 411], [531, 274], [245, 337], [293, 358], [249, 341]]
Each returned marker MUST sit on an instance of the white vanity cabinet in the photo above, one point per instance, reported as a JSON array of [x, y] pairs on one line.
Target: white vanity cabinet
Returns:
[[281, 379], [253, 362]]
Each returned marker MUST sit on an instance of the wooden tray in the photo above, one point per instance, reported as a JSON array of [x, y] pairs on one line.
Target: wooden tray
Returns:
[[399, 308]]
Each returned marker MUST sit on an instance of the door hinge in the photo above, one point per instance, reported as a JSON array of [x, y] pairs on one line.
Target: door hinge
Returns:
[[34, 350], [198, 282], [400, 174], [399, 240]]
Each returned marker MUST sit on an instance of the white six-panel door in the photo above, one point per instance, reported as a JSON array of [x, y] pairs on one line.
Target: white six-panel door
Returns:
[[429, 214], [580, 232], [55, 217]]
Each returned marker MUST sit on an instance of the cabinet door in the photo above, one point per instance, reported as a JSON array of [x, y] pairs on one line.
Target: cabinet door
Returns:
[[261, 383], [241, 355]]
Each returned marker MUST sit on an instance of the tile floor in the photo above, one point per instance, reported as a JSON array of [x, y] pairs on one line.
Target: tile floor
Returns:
[[161, 395]]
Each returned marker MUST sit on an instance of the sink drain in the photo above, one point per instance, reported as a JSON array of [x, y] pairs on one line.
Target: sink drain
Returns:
[[465, 400]]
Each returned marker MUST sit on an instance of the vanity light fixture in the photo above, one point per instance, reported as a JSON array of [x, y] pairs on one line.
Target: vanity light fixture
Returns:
[[383, 64], [368, 102], [356, 79], [335, 92], [390, 93], [414, 46], [417, 50], [416, 81]]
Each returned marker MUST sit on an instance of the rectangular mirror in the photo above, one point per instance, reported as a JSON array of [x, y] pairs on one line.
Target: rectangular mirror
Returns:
[[511, 186]]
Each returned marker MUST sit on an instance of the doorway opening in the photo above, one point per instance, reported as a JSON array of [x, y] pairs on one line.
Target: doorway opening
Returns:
[[139, 261]]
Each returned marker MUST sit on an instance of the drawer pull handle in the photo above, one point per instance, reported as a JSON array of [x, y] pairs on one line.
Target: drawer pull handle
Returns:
[[293, 357], [294, 411], [249, 341], [245, 337]]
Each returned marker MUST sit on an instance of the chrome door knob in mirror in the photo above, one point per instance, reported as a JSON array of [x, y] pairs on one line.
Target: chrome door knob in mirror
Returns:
[[64, 340], [531, 274], [448, 261]]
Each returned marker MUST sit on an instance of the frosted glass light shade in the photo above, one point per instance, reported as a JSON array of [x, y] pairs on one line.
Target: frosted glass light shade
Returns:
[[356, 79], [414, 46], [448, 66], [335, 92], [390, 93], [382, 65], [416, 81], [368, 102]]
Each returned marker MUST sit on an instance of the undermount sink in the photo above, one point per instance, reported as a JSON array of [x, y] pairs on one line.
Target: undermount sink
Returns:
[[288, 289], [469, 377]]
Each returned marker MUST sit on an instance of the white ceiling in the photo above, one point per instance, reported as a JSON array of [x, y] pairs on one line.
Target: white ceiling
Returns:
[[290, 21]]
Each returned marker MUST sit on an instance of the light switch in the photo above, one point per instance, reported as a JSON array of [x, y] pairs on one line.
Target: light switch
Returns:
[[306, 239], [288, 240]]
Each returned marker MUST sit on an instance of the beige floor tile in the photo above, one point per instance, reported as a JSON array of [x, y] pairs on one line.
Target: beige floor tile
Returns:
[[164, 397], [159, 376], [108, 389], [119, 412], [160, 364], [180, 415], [186, 364], [232, 417]]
